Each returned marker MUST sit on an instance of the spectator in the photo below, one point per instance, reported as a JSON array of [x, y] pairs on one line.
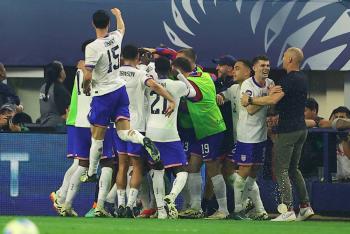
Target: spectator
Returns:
[[7, 95], [225, 65], [10, 121], [340, 118], [311, 115], [343, 160], [54, 97]]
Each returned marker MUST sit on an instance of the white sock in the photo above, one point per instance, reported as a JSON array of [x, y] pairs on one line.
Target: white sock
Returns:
[[238, 187], [248, 185], [74, 185], [112, 194], [231, 179], [195, 188], [128, 178], [95, 154], [178, 184], [133, 192], [152, 202], [121, 194], [219, 188], [144, 193], [254, 194], [186, 196], [131, 135], [104, 185], [158, 187], [62, 191]]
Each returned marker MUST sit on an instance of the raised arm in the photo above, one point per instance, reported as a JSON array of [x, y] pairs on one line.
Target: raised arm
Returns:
[[120, 22], [191, 91]]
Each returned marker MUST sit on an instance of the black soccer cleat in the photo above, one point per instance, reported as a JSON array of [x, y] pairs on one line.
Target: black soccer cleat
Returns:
[[151, 149]]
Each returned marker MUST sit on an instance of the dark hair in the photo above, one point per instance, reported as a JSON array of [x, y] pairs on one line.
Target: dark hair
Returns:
[[189, 54], [162, 65], [130, 52], [312, 104], [245, 62], [100, 19], [52, 73], [258, 58], [341, 109], [182, 63], [21, 118], [84, 45]]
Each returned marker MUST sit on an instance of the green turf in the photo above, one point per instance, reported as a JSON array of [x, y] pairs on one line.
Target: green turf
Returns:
[[60, 225]]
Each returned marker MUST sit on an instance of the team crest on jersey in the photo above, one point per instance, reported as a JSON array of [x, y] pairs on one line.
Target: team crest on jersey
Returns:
[[249, 92], [243, 157]]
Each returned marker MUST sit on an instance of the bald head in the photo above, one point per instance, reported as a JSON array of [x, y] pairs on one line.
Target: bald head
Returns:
[[296, 54], [292, 59]]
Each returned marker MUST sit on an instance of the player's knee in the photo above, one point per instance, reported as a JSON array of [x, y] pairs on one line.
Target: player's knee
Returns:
[[123, 134]]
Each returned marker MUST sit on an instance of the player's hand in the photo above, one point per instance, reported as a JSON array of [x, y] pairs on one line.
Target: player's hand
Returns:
[[170, 109], [116, 11], [219, 99], [86, 88], [275, 89], [244, 100], [81, 64], [19, 109]]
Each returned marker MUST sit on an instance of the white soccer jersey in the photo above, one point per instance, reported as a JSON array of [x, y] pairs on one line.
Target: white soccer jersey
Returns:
[[103, 55], [233, 94], [159, 127], [83, 102], [253, 128], [135, 86], [149, 69]]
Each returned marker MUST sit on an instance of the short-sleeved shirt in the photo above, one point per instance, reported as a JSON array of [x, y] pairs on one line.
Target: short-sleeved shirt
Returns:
[[233, 95], [159, 127], [291, 106], [135, 80], [103, 55], [253, 128]]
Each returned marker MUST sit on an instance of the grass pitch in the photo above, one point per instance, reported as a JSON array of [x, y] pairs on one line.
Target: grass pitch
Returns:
[[61, 225]]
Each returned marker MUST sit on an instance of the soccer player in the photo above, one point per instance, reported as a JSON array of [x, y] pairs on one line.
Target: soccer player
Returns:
[[207, 130], [251, 138], [110, 100], [136, 83], [163, 131], [79, 141], [241, 72]]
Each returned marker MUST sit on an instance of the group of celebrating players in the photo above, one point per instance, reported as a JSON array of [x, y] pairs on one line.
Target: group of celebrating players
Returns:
[[134, 111]]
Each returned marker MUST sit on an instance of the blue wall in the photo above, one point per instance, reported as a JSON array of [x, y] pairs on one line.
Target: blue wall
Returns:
[[33, 165], [38, 31]]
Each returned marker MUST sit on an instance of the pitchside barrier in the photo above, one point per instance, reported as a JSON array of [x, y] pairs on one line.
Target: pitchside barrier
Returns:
[[32, 165]]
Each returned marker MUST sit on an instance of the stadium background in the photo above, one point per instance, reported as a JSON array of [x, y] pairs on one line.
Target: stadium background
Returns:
[[33, 33]]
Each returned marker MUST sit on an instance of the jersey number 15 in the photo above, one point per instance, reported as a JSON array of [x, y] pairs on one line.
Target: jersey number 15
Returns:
[[112, 53]]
